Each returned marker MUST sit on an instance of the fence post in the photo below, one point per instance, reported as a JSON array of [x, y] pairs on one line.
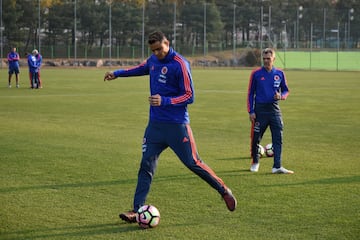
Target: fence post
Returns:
[[85, 52]]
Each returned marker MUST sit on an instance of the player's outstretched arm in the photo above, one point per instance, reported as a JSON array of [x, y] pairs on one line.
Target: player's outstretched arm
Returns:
[[109, 76]]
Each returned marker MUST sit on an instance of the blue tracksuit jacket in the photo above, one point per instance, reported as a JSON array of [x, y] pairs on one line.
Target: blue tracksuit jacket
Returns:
[[263, 85], [171, 79]]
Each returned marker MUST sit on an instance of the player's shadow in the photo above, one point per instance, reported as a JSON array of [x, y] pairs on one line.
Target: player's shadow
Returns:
[[159, 178], [81, 232], [234, 158]]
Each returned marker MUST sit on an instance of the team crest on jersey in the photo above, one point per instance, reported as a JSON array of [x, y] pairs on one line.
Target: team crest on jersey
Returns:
[[164, 70], [276, 78]]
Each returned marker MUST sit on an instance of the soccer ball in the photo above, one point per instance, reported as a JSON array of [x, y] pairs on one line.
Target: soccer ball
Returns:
[[261, 150], [148, 216], [269, 151]]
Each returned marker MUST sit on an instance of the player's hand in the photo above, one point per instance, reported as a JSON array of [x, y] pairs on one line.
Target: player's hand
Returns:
[[277, 96], [155, 100], [252, 117], [109, 76]]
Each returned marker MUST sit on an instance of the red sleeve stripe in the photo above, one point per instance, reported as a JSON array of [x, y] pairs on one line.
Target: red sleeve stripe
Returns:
[[187, 83], [140, 65], [249, 87]]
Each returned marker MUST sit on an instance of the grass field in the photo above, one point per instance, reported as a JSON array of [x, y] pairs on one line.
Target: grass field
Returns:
[[69, 156], [316, 60]]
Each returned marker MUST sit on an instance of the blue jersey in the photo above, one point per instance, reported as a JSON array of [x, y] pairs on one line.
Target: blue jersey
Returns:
[[13, 59], [171, 79], [263, 86], [32, 63], [38, 60]]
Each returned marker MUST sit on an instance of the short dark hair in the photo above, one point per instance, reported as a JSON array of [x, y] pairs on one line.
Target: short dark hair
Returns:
[[156, 36]]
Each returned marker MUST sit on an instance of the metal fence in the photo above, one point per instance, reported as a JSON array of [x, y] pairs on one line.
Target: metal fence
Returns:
[[296, 35]]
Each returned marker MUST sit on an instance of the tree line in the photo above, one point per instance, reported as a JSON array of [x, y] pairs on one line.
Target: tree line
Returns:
[[188, 23]]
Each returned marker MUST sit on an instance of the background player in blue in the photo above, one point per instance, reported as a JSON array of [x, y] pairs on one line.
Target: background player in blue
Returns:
[[171, 90], [39, 63], [267, 86], [33, 70], [13, 59]]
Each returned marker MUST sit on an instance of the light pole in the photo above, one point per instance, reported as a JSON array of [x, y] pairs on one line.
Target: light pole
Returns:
[[110, 30], [174, 27], [234, 33], [298, 17], [143, 32], [350, 18], [204, 29], [1, 37], [75, 32], [39, 44]]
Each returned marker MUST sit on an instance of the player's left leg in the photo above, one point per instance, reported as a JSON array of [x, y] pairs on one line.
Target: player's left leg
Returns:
[[17, 72], [276, 128], [39, 79], [182, 142]]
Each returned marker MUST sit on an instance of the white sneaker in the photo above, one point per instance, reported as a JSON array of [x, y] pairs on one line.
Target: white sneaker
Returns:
[[282, 170], [254, 167], [17, 85], [9, 86]]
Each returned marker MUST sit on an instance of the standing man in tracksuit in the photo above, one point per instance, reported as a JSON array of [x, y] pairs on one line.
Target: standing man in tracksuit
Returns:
[[39, 63], [171, 90], [14, 68], [267, 86], [33, 69]]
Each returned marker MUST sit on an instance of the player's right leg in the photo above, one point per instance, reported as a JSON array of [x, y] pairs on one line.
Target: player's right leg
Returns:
[[152, 147], [257, 131], [9, 78], [30, 78]]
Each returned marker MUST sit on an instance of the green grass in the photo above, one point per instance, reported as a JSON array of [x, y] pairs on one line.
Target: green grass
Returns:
[[316, 60], [69, 156]]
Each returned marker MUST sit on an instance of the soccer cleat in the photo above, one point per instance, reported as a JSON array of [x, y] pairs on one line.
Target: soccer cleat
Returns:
[[282, 170], [254, 167], [229, 199], [129, 216], [17, 85], [9, 86]]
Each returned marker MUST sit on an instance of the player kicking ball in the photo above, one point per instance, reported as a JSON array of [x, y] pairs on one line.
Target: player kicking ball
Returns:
[[171, 90]]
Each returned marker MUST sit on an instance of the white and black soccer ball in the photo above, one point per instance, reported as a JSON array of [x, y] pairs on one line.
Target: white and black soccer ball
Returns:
[[148, 216], [261, 151], [269, 151]]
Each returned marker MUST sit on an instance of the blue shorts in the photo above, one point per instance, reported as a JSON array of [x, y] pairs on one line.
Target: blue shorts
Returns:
[[13, 70]]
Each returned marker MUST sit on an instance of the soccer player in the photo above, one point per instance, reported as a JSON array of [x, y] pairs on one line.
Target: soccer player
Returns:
[[13, 58], [171, 90], [39, 63], [35, 60], [33, 69], [267, 86]]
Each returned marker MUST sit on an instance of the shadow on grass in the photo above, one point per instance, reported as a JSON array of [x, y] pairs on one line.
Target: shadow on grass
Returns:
[[182, 177], [234, 158], [337, 180], [94, 184], [72, 231]]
